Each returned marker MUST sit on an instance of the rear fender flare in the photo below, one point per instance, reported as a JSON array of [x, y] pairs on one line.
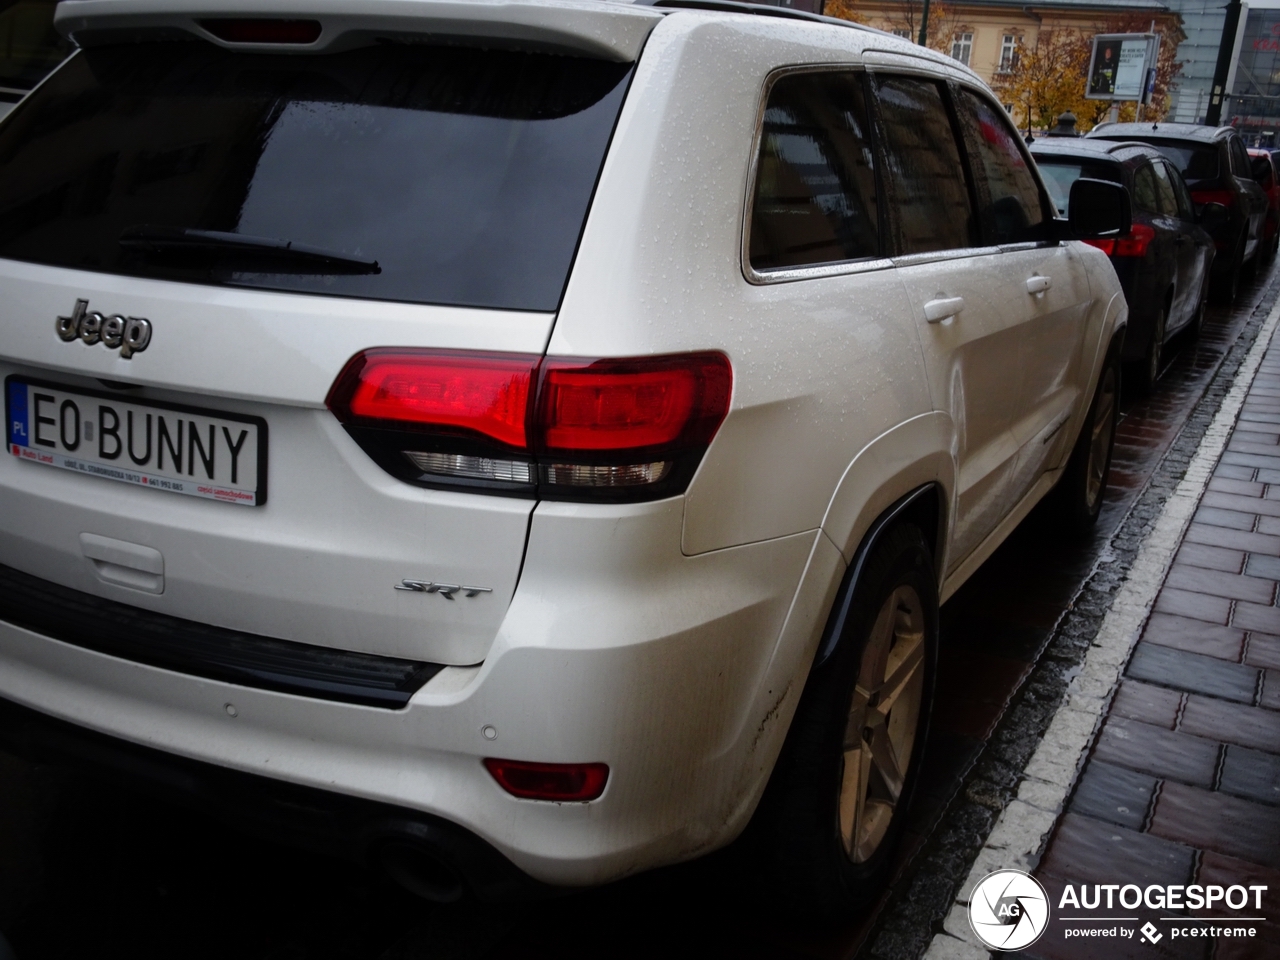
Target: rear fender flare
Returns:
[[915, 453]]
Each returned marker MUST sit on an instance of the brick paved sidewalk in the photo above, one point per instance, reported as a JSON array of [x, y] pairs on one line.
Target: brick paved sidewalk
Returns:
[[1182, 785]]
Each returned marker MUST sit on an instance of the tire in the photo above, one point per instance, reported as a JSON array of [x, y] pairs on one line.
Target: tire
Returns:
[[1196, 327], [1227, 287], [1148, 372], [836, 805], [1084, 481]]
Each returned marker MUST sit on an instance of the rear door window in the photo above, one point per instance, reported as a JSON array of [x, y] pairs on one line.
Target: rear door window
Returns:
[[924, 170], [1010, 209], [815, 191], [465, 174]]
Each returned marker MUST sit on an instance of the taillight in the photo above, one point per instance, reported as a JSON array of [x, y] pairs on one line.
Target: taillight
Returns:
[[560, 782], [560, 428], [262, 30], [483, 394], [1136, 241], [1224, 197], [1132, 244]]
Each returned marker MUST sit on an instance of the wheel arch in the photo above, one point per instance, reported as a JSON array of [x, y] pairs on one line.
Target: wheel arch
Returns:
[[924, 507], [913, 454]]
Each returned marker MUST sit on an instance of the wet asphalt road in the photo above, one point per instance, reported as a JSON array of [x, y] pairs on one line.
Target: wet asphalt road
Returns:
[[88, 869]]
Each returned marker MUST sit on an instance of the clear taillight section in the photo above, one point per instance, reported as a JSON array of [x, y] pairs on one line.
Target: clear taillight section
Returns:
[[616, 429]]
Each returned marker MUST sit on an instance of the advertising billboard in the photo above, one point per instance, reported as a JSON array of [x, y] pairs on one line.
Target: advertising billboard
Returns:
[[1122, 66]]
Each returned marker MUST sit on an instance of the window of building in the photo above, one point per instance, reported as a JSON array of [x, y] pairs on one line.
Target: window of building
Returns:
[[1008, 53], [962, 47], [905, 34]]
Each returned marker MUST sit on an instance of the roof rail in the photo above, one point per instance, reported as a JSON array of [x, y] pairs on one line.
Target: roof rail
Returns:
[[758, 9]]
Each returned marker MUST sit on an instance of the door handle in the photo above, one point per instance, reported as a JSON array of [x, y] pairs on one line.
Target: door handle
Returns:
[[1038, 284], [937, 310]]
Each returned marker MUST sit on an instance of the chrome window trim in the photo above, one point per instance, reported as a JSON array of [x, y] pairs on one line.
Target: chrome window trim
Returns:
[[951, 253], [791, 274]]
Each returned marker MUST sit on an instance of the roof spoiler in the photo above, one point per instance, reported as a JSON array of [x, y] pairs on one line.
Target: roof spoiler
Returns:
[[615, 31]]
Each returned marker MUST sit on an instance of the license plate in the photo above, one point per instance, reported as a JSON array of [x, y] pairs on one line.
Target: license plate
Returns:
[[187, 450]]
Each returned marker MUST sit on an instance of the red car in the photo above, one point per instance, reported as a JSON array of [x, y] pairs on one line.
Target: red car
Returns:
[[1264, 172]]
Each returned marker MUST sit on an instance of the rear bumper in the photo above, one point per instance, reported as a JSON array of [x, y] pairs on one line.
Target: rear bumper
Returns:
[[318, 820], [678, 672]]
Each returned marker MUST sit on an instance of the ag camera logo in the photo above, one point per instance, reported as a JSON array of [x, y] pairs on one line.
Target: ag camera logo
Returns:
[[1008, 910]]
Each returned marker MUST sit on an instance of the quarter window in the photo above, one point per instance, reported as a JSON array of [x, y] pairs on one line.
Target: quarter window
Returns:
[[1145, 195], [924, 167], [962, 47], [1010, 210], [815, 192], [1185, 209], [1164, 191]]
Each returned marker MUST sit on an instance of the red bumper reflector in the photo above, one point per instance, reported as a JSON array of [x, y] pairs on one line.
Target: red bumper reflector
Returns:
[[485, 394], [563, 782], [247, 30], [618, 405]]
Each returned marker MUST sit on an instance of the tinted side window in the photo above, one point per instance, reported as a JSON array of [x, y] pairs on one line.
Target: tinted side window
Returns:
[[1010, 211], [1164, 191], [815, 192], [1145, 197], [1185, 209], [1239, 159], [924, 167]]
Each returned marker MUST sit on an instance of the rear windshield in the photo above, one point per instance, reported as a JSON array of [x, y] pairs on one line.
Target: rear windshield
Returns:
[[1194, 161], [1061, 172], [418, 173]]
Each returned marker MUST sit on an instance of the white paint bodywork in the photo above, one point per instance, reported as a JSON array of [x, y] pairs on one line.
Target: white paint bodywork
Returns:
[[670, 640]]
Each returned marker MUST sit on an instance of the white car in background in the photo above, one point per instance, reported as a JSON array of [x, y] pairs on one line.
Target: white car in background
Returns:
[[522, 443]]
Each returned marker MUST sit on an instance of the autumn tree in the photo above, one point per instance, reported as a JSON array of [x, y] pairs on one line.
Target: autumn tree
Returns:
[[1047, 78]]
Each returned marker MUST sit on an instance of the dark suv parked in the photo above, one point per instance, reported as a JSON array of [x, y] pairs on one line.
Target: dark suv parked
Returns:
[[1216, 167], [1163, 262]]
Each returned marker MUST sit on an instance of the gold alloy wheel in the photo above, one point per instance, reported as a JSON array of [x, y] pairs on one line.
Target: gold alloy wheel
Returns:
[[1103, 426], [884, 719]]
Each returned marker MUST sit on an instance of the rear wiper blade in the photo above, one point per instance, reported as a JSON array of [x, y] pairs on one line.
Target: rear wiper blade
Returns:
[[215, 243]]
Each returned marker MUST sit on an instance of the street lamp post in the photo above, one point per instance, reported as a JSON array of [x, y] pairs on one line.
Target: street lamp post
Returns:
[[924, 23]]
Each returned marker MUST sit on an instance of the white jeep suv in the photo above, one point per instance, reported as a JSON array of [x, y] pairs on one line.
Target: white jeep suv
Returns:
[[506, 438]]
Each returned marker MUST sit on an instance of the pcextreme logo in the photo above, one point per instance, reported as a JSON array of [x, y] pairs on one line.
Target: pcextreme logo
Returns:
[[1008, 910]]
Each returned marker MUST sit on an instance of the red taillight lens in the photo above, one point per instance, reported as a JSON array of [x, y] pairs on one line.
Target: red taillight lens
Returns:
[[1107, 246], [485, 394], [615, 405], [253, 30], [601, 429], [562, 782], [1135, 242], [1224, 197]]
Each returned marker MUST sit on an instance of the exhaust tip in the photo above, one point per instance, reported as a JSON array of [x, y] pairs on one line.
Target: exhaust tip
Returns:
[[419, 871]]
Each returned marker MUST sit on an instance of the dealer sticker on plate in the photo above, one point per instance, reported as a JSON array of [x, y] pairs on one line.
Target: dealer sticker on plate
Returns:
[[200, 453]]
